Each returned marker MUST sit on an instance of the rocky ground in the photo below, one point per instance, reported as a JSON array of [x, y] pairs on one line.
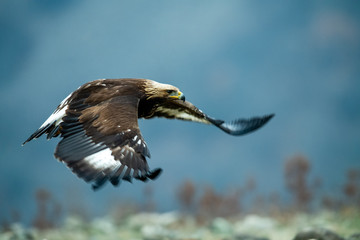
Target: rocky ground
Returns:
[[173, 225]]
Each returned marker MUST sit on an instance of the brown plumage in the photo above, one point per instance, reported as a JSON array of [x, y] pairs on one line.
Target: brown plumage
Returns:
[[101, 140]]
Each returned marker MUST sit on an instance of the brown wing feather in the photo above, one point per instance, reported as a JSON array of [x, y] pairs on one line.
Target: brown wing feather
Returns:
[[101, 138]]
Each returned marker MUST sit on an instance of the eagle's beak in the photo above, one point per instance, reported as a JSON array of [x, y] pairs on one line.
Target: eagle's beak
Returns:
[[181, 96]]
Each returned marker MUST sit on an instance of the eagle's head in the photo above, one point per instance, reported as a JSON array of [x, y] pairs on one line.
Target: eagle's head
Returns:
[[159, 90]]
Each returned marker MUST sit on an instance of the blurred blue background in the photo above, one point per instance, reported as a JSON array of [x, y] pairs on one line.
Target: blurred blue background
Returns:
[[298, 59]]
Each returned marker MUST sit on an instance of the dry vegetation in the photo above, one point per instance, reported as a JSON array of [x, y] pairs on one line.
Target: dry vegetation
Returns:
[[205, 213]]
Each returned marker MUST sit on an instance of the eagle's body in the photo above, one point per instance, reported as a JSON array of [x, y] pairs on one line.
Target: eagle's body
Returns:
[[101, 139]]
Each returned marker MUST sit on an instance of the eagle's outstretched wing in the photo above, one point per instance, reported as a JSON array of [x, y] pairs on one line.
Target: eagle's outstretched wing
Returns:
[[185, 110], [101, 139], [103, 142]]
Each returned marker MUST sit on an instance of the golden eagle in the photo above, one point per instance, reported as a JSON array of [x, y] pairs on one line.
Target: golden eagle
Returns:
[[98, 123]]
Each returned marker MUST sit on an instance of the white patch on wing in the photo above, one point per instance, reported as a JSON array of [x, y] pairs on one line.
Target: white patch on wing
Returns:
[[181, 115], [102, 160], [58, 114]]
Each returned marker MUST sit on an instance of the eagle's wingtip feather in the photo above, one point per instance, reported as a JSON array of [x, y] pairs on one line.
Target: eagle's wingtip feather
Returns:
[[270, 116], [267, 118], [37, 133], [241, 126]]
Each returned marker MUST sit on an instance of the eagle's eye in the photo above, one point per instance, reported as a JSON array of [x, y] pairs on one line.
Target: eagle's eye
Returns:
[[170, 91]]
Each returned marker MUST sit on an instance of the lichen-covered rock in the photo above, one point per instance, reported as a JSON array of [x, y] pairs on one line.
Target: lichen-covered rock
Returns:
[[222, 226], [318, 233], [173, 226], [18, 232], [355, 236], [155, 232], [162, 219], [249, 237], [103, 225], [254, 223]]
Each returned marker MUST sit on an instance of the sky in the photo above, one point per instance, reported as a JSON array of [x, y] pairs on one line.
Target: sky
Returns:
[[298, 59]]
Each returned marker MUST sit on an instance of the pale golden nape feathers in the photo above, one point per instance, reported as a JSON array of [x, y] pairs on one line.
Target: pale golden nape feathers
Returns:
[[155, 89]]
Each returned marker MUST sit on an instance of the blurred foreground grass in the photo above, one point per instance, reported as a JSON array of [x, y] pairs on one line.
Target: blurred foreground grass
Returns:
[[205, 213], [173, 225]]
